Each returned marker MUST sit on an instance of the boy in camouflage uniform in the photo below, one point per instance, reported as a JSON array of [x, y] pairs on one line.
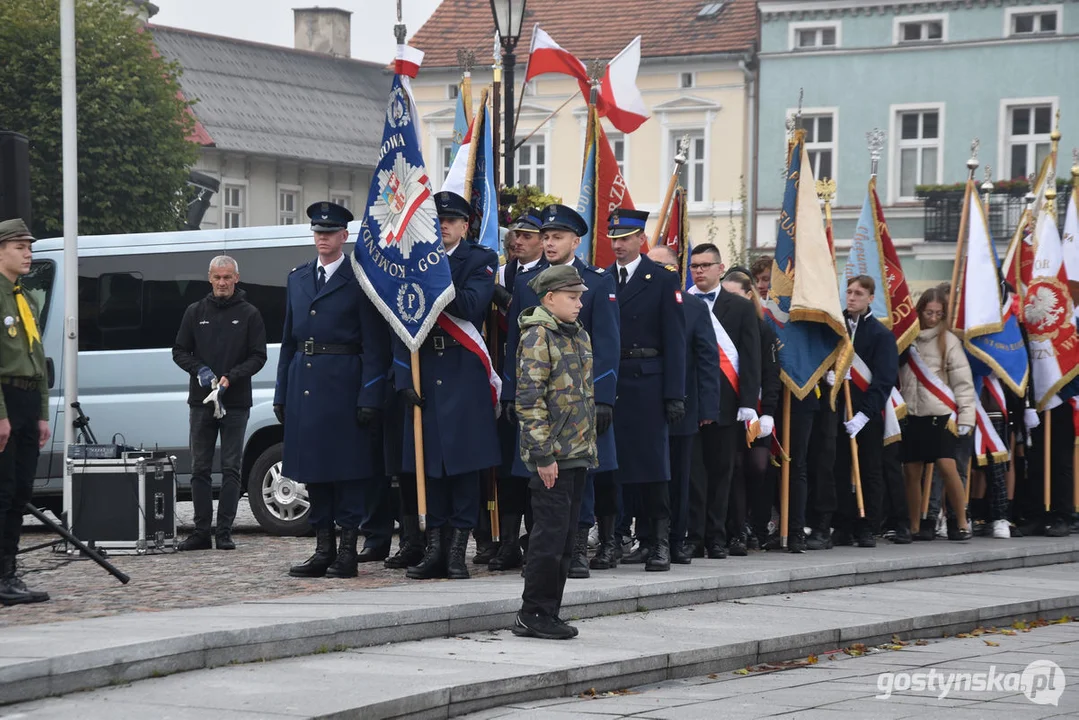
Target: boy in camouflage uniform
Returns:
[[556, 409]]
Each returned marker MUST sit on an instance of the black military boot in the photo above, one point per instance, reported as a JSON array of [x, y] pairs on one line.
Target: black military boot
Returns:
[[508, 556], [486, 547], [610, 544], [819, 539], [456, 568], [660, 558], [578, 564], [640, 555], [12, 589], [345, 564], [325, 554], [433, 562], [409, 544]]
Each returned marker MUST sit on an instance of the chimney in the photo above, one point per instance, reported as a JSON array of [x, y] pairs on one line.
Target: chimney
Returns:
[[141, 9], [324, 30]]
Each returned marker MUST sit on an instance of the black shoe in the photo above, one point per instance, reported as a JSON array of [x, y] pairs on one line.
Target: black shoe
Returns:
[[866, 539], [796, 543], [902, 536], [541, 626], [224, 540], [736, 547], [695, 549], [610, 545], [1014, 530], [660, 559], [960, 534], [196, 541], [433, 562], [753, 542], [344, 565], [409, 545], [925, 534], [1032, 528], [842, 538], [373, 553], [574, 630], [509, 554], [680, 555], [578, 564], [638, 556], [1059, 528], [12, 589], [819, 540], [456, 568], [982, 529], [325, 554], [485, 553], [717, 552]]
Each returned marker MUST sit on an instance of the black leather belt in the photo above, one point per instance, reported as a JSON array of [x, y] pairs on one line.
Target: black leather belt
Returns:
[[310, 347], [441, 341], [22, 383], [640, 353]]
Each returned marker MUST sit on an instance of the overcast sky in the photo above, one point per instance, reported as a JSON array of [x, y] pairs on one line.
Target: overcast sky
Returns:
[[270, 21]]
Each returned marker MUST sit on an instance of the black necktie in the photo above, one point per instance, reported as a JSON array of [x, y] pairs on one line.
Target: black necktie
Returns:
[[320, 281], [623, 277]]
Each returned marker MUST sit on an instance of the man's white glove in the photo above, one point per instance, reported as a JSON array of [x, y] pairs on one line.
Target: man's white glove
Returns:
[[1031, 419], [964, 430], [830, 378], [855, 424], [219, 409], [767, 425], [747, 415]]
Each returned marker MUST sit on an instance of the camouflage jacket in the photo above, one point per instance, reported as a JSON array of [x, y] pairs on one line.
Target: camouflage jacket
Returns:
[[555, 396]]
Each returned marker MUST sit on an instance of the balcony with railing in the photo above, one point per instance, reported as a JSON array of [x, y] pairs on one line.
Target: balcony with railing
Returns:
[[944, 210]]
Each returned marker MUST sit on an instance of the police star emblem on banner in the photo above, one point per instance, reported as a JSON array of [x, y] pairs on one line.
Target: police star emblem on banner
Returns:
[[401, 194]]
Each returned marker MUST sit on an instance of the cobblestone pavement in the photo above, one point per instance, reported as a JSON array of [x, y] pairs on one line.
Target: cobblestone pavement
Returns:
[[880, 682], [256, 570]]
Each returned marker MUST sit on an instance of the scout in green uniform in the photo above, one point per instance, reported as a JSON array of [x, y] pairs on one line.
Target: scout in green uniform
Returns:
[[24, 404]]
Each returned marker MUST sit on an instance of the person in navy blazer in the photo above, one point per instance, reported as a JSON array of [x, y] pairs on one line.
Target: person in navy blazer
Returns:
[[702, 403], [459, 436], [561, 231], [331, 384], [651, 379]]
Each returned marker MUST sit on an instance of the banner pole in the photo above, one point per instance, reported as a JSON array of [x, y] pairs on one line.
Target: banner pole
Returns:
[[417, 434], [855, 467], [535, 130], [1046, 458], [785, 473], [665, 206]]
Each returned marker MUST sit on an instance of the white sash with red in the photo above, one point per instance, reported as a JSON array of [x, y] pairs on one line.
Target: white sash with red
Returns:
[[470, 338], [728, 353], [936, 387], [862, 376], [987, 442]]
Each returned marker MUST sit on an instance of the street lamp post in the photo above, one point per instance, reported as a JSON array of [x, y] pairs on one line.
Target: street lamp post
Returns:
[[508, 15]]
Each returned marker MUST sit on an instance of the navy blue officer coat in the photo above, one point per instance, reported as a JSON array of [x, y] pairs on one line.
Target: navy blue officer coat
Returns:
[[702, 368], [320, 392], [652, 319], [599, 316], [459, 433]]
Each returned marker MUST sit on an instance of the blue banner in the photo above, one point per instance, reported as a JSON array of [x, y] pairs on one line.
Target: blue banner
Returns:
[[399, 259], [460, 127], [586, 201], [484, 223], [865, 259]]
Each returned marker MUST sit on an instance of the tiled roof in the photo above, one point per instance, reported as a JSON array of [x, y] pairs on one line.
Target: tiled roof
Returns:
[[279, 102], [594, 29]]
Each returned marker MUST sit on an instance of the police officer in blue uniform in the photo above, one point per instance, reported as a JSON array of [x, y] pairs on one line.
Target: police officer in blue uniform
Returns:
[[561, 231], [331, 384], [459, 436], [651, 380]]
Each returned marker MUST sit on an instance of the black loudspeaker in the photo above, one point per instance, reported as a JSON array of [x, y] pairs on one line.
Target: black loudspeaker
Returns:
[[14, 177]]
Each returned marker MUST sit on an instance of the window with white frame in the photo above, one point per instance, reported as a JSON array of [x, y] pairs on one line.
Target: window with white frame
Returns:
[[344, 199], [288, 201], [452, 91], [1027, 138], [921, 31], [686, 80], [1033, 21], [445, 156], [532, 163], [692, 174], [815, 38], [618, 146], [233, 205], [918, 149], [820, 144]]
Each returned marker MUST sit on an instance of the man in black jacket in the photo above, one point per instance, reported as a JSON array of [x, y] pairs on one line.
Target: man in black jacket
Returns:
[[221, 344]]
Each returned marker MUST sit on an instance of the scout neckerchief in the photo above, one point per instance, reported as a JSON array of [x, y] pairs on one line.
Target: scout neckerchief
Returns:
[[27, 319]]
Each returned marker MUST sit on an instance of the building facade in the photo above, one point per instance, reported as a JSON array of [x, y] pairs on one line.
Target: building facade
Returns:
[[931, 75]]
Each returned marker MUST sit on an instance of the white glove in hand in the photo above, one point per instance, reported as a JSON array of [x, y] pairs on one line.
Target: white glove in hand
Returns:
[[747, 415], [855, 424], [219, 409], [830, 378], [767, 425], [847, 376], [964, 430], [1031, 419]]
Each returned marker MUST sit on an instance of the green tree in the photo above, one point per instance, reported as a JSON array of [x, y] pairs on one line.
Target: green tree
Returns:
[[133, 125]]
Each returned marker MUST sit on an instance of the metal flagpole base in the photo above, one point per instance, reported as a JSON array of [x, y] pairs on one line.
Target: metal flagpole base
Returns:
[[423, 523]]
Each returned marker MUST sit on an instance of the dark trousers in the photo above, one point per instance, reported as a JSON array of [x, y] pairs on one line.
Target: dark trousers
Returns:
[[649, 502], [205, 429], [512, 495], [681, 449], [344, 502], [18, 463], [820, 468], [377, 522], [550, 546], [709, 492], [801, 430], [1062, 442], [454, 501], [870, 442], [895, 488]]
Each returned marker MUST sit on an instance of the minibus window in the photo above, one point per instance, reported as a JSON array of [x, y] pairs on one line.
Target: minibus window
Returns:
[[38, 282]]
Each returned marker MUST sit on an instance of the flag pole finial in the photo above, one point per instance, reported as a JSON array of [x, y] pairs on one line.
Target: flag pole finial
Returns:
[[596, 69], [973, 163], [683, 151], [399, 29], [826, 191], [1029, 197], [1054, 137], [875, 140], [798, 115], [987, 185], [466, 59]]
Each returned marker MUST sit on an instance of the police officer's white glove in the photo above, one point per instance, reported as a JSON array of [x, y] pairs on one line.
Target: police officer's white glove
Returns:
[[747, 415], [768, 424], [1031, 419], [855, 424], [964, 430], [830, 378]]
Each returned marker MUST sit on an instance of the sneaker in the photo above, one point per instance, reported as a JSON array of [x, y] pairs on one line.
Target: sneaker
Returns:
[[1001, 529], [196, 542], [796, 543], [574, 630], [942, 526], [736, 548], [541, 626], [1059, 528]]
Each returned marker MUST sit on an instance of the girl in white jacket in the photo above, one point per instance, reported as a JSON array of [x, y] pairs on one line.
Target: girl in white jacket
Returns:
[[938, 389]]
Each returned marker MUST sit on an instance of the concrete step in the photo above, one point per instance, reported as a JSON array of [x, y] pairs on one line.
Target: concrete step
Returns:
[[445, 677], [45, 660]]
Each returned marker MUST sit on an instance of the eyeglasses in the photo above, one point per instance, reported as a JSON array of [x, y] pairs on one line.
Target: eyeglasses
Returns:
[[702, 266]]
